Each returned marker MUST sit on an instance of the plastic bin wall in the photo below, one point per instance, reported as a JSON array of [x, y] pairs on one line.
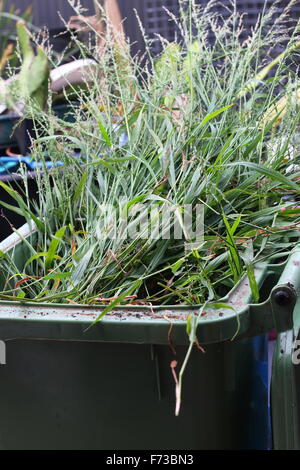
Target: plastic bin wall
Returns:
[[74, 395]]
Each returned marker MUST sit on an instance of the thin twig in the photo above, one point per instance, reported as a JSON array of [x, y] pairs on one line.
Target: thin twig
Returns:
[[170, 335]]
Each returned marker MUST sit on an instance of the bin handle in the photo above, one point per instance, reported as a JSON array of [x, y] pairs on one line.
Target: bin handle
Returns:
[[277, 311]]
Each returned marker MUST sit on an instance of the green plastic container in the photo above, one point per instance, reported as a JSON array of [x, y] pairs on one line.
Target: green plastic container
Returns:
[[285, 384], [110, 387]]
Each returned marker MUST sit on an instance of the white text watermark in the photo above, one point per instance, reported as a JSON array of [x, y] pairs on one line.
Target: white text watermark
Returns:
[[152, 221]]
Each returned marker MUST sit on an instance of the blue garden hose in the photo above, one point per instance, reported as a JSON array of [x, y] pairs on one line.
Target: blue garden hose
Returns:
[[9, 164]]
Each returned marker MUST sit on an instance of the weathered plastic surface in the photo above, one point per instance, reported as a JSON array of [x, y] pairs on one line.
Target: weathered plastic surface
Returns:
[[76, 395], [111, 387]]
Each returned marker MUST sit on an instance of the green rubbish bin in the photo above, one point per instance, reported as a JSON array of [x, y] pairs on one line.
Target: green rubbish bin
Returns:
[[64, 386], [7, 123], [285, 385]]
